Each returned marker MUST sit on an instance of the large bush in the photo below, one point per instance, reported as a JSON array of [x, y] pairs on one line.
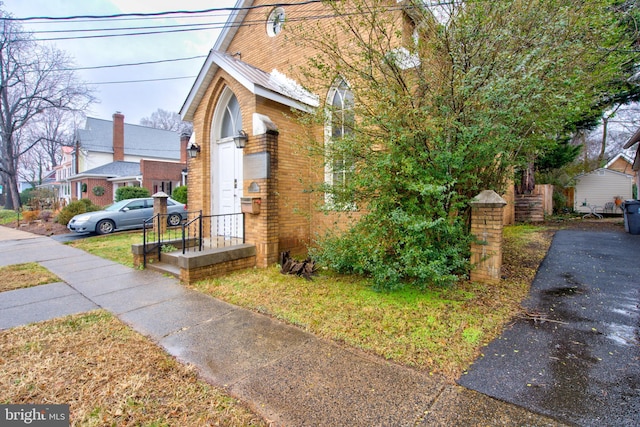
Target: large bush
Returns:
[[123, 193], [180, 194], [75, 208]]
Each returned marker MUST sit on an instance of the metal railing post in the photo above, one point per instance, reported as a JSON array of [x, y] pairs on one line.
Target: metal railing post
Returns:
[[200, 232], [159, 239], [144, 244], [184, 241]]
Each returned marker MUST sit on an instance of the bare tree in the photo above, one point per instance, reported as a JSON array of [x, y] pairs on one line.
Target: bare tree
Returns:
[[606, 140], [167, 120], [34, 79], [53, 128], [33, 165]]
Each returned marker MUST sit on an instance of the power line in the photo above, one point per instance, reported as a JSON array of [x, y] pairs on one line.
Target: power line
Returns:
[[166, 13], [143, 80], [313, 14], [133, 63], [207, 26], [88, 30], [145, 33]]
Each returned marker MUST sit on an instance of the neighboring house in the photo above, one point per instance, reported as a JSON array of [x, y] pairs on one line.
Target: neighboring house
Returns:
[[635, 138], [243, 88], [58, 180], [622, 163], [113, 154], [600, 189]]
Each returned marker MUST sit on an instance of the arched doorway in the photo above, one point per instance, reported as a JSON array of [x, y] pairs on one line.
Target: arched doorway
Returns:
[[226, 161]]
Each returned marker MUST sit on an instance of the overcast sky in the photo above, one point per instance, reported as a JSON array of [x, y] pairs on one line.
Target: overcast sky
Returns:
[[139, 99]]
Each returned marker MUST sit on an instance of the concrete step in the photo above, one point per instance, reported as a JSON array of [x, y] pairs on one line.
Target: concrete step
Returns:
[[165, 268], [171, 257]]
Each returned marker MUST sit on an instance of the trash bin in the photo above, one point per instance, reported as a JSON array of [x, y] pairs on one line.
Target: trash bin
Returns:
[[632, 216]]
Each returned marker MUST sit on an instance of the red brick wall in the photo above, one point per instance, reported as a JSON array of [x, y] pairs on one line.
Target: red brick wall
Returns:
[[153, 170], [104, 200]]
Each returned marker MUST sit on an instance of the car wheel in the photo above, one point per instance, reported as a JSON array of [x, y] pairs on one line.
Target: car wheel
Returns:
[[105, 227], [174, 219]]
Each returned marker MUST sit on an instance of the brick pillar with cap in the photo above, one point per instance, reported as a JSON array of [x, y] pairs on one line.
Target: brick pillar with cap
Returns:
[[160, 208], [486, 226]]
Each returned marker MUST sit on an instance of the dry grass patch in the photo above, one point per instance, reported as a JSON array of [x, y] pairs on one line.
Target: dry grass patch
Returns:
[[25, 275], [109, 375], [441, 330]]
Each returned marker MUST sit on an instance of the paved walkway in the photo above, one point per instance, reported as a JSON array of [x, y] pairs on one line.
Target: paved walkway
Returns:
[[288, 376], [579, 361]]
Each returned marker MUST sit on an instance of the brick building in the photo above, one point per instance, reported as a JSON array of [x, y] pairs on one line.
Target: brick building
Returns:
[[113, 154], [245, 88]]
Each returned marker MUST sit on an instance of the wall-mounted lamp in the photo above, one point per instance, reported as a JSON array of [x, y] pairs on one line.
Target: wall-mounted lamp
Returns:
[[241, 139], [193, 150]]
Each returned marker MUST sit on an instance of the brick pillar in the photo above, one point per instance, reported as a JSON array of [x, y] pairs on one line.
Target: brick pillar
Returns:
[[262, 229], [160, 207], [486, 227]]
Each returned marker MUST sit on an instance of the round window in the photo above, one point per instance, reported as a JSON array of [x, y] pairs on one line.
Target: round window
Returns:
[[275, 22]]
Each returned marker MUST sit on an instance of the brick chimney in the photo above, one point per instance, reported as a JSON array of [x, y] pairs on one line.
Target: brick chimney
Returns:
[[118, 136], [184, 141]]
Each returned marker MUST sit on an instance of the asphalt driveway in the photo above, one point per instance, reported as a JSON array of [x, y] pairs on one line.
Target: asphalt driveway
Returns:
[[575, 355]]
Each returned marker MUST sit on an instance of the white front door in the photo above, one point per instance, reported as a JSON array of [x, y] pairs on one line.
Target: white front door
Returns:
[[230, 178], [227, 185]]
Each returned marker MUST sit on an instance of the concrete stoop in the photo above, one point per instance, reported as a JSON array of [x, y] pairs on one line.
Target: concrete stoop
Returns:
[[195, 265], [167, 266]]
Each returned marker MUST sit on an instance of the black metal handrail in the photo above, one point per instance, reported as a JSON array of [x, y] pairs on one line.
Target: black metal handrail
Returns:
[[195, 233], [213, 231], [196, 225], [157, 233]]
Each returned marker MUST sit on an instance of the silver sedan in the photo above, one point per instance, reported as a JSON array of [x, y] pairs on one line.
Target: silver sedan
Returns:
[[125, 215]]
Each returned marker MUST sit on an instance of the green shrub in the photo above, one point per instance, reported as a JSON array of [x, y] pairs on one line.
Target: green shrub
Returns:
[[26, 196], [180, 194], [559, 202], [88, 205], [422, 253], [75, 208], [123, 193]]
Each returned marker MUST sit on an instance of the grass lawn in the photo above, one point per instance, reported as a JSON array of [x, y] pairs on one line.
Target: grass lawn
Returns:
[[7, 216], [115, 247], [440, 331], [25, 275], [109, 375]]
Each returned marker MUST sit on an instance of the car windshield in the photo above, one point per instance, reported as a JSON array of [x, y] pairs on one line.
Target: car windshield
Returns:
[[117, 206]]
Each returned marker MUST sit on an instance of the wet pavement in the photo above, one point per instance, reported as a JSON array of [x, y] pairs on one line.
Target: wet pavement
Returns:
[[70, 237], [576, 357], [292, 378]]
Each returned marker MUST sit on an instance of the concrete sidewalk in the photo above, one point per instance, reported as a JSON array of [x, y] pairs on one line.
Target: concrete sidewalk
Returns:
[[289, 377]]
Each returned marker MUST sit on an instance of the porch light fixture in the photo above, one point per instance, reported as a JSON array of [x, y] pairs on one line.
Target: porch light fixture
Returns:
[[193, 150], [241, 139]]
